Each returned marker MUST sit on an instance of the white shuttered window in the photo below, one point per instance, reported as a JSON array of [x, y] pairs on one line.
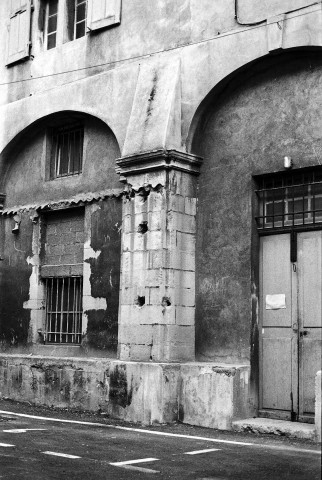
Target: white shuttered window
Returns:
[[19, 31], [103, 13]]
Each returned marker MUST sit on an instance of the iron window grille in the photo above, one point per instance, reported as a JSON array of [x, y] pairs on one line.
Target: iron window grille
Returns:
[[67, 151], [64, 308], [292, 200], [80, 18]]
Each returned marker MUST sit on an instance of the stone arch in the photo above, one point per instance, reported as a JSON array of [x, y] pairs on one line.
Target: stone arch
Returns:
[[244, 127], [31, 146]]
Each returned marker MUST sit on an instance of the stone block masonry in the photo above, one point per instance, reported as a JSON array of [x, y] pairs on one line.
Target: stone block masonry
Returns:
[[64, 238], [158, 260]]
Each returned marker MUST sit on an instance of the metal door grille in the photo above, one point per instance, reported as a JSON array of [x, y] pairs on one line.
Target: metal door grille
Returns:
[[290, 200], [64, 308]]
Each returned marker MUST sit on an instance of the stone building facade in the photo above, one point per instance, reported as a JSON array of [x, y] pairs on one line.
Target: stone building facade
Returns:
[[161, 186]]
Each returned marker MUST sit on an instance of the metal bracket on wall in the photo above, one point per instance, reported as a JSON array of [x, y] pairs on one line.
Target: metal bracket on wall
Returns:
[[293, 249]]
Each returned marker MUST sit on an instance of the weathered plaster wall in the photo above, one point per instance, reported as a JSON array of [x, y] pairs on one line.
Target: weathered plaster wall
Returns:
[[272, 110], [14, 283], [102, 262], [145, 27], [26, 183]]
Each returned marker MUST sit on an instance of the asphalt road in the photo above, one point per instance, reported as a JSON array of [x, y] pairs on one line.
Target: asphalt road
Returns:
[[58, 448]]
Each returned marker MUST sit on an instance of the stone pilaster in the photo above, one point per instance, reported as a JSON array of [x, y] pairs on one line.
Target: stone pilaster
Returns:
[[157, 299]]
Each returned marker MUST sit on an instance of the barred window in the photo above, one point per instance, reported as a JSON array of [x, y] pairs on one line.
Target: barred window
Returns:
[[290, 200], [67, 151], [64, 306]]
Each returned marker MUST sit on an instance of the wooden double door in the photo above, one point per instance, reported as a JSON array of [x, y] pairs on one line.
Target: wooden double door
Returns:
[[290, 324]]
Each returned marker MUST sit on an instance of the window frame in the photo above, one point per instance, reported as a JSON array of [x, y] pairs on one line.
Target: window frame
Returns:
[[289, 200], [77, 5], [48, 16], [57, 316], [55, 146]]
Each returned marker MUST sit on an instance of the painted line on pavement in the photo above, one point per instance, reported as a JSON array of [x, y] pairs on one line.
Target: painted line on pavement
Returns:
[[6, 445], [128, 429], [197, 452], [57, 454], [23, 430], [139, 469], [131, 462], [165, 434]]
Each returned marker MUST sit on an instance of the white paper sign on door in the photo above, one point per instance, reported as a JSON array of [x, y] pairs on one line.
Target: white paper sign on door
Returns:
[[275, 302]]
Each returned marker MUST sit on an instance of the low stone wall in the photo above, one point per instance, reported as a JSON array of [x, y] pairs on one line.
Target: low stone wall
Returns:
[[195, 393]]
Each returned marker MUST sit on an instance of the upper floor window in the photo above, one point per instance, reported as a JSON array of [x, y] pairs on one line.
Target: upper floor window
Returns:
[[60, 21], [67, 151], [80, 18], [52, 24]]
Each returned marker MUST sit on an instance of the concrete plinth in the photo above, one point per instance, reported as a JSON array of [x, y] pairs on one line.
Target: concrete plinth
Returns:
[[213, 395], [198, 394], [275, 427], [139, 392]]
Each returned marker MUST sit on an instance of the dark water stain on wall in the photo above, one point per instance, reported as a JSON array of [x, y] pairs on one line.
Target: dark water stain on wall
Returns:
[[120, 394], [106, 222], [14, 283]]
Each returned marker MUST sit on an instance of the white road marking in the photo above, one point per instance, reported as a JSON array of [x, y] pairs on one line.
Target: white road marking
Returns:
[[197, 452], [57, 454], [129, 429], [175, 435], [6, 445], [139, 469], [23, 430], [131, 462]]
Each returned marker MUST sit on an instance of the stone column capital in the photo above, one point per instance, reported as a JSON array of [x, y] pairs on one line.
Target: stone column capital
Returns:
[[157, 160]]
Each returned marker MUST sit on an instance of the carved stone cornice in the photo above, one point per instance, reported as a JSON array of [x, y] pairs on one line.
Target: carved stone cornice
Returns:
[[158, 160]]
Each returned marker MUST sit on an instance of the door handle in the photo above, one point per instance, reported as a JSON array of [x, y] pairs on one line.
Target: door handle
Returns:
[[304, 333], [295, 327]]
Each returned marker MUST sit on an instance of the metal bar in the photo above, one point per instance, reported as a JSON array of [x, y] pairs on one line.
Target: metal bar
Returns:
[[56, 309], [74, 304], [61, 310], [47, 304], [67, 319]]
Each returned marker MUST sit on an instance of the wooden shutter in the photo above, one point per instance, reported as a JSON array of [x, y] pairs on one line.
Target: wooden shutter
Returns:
[[103, 13], [19, 31]]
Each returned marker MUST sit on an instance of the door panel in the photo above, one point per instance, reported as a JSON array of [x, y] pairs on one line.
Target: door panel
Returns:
[[278, 346], [310, 278], [290, 347], [310, 315], [277, 371], [310, 354], [276, 279]]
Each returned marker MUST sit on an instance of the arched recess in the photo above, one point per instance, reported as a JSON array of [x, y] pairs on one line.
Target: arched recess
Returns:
[[25, 162], [69, 226], [245, 127]]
